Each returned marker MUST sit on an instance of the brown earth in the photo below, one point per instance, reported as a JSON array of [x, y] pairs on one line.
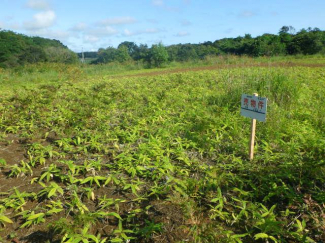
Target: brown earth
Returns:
[[224, 66], [13, 150]]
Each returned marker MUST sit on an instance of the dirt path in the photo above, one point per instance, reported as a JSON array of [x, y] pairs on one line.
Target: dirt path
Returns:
[[222, 66]]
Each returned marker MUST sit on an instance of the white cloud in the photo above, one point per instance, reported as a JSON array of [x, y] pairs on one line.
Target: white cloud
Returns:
[[182, 34], [38, 4], [51, 34], [60, 34], [9, 23], [151, 31], [153, 21], [79, 27], [161, 4], [13, 26], [128, 32], [139, 32], [185, 22], [41, 20], [228, 31], [9, 18], [118, 21], [246, 14], [158, 2], [91, 39], [103, 31]]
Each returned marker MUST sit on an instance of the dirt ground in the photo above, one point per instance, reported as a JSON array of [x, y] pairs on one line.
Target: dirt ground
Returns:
[[224, 66]]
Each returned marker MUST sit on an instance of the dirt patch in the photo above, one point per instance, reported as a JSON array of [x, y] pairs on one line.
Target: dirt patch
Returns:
[[172, 218], [12, 150], [222, 66]]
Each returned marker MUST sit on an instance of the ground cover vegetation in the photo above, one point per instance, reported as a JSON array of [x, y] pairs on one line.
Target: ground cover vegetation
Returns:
[[91, 155]]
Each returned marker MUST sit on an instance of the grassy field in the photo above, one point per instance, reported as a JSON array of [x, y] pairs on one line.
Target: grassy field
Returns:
[[121, 154]]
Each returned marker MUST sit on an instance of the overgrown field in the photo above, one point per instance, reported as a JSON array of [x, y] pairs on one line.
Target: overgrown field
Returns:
[[161, 158]]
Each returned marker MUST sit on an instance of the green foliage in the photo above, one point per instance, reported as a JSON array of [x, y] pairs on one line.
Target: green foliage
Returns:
[[60, 55], [145, 158], [310, 41], [3, 162], [3, 218], [111, 54], [287, 42], [158, 55], [17, 49], [268, 45]]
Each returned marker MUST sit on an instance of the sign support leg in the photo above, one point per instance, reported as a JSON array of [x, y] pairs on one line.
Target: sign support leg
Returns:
[[252, 138]]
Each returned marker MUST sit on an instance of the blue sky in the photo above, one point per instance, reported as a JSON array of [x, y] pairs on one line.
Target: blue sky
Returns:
[[103, 23]]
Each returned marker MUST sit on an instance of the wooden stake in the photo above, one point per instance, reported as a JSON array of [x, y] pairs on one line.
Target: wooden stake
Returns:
[[252, 138]]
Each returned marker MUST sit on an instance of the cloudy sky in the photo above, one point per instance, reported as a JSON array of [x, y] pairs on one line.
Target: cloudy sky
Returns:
[[91, 24]]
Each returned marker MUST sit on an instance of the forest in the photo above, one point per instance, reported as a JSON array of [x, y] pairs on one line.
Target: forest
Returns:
[[287, 42], [17, 49]]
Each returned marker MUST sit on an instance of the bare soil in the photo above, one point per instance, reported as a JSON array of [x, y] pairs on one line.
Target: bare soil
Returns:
[[224, 66]]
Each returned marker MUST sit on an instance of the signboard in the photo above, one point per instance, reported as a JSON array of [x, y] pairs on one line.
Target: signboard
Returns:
[[253, 107]]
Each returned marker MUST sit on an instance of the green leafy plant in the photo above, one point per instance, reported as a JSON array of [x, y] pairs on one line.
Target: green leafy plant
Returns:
[[50, 190], [3, 218]]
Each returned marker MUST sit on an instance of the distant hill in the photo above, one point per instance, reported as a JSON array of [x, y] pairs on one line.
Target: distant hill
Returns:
[[18, 49]]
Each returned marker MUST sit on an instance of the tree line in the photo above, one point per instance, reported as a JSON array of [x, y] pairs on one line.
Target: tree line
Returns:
[[287, 42], [17, 49]]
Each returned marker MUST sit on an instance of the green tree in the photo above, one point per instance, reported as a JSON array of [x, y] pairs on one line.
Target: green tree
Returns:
[[33, 54], [187, 52], [122, 54], [60, 55], [17, 49], [106, 55], [307, 42], [287, 30], [158, 55], [268, 45], [172, 52], [131, 47], [142, 53], [206, 50], [112, 54]]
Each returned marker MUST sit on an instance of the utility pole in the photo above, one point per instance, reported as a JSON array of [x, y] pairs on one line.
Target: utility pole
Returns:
[[82, 56]]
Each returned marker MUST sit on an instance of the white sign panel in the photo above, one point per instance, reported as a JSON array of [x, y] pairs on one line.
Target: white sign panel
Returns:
[[253, 107]]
